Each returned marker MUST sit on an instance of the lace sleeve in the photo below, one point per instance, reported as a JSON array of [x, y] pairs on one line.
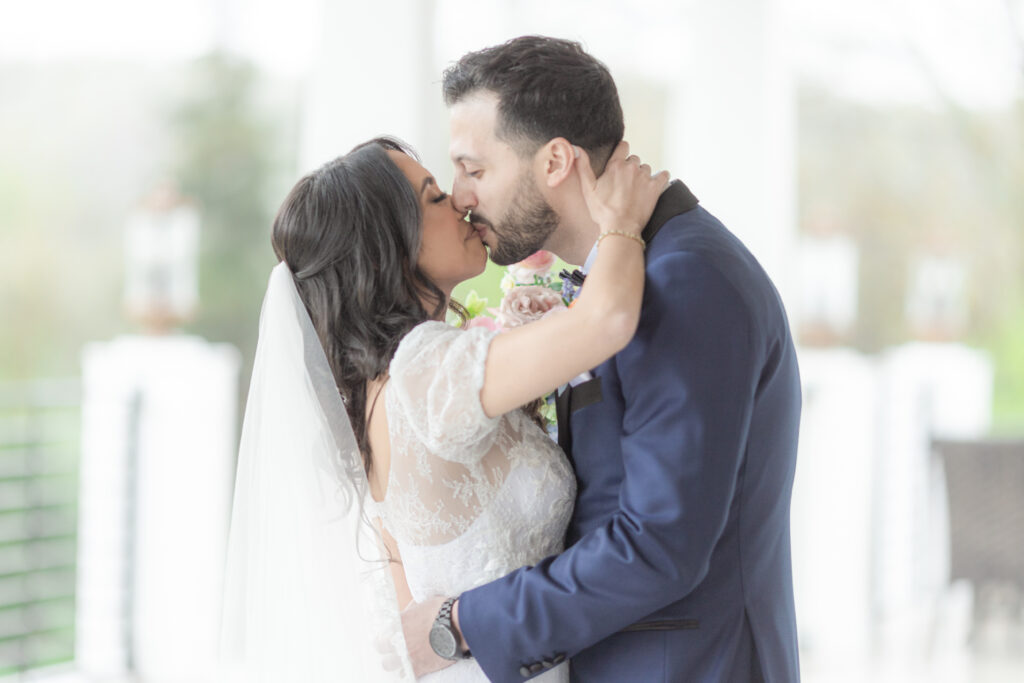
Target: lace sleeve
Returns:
[[436, 377]]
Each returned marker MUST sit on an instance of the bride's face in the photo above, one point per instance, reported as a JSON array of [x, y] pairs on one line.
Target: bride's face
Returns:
[[451, 249]]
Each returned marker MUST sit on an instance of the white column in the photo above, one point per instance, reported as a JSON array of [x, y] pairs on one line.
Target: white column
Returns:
[[927, 390], [831, 511], [102, 633], [731, 134], [158, 452]]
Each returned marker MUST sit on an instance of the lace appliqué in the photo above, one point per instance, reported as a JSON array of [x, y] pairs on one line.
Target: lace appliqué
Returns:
[[470, 498]]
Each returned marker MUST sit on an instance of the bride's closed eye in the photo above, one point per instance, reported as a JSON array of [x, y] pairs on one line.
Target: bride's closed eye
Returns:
[[440, 198]]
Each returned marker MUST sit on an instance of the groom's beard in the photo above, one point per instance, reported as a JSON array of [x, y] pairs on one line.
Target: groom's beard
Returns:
[[524, 228]]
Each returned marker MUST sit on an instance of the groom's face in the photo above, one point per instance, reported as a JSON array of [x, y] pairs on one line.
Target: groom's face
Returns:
[[496, 183]]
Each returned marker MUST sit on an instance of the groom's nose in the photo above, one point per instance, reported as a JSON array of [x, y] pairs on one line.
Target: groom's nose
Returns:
[[462, 196]]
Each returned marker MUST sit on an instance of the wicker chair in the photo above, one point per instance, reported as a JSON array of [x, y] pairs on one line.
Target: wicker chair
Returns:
[[985, 485]]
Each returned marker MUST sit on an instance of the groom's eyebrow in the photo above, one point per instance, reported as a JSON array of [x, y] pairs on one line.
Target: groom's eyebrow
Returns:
[[466, 157]]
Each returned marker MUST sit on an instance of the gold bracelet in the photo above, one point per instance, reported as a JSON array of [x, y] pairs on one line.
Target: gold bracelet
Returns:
[[620, 233]]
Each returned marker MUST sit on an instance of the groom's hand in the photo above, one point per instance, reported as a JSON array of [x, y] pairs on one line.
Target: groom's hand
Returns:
[[417, 619]]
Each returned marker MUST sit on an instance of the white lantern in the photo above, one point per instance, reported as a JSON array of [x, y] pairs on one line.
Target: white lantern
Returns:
[[828, 276], [162, 261], [937, 305]]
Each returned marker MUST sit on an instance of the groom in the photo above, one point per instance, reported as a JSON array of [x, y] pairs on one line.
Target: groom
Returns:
[[684, 444]]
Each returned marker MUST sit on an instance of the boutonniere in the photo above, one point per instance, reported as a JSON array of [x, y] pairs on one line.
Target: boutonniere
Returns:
[[571, 284]]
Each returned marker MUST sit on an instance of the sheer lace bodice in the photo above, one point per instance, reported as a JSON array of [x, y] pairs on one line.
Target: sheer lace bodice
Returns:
[[469, 498]]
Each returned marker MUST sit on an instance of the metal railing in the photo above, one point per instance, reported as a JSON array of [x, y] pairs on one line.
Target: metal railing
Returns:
[[39, 446]]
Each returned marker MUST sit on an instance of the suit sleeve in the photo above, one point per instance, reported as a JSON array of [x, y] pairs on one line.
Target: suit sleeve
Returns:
[[688, 381]]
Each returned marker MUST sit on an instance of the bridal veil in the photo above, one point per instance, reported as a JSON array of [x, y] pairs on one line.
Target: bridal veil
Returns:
[[307, 595]]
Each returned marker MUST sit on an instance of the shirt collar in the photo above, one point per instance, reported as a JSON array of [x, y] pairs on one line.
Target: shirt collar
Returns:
[[589, 263]]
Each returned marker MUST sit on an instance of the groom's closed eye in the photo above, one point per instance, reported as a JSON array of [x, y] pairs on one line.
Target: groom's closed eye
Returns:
[[470, 170]]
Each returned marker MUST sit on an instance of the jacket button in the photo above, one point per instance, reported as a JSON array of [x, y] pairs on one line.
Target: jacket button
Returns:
[[559, 658], [524, 671]]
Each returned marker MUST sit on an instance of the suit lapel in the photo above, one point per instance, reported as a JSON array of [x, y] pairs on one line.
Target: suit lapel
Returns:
[[676, 199], [562, 416]]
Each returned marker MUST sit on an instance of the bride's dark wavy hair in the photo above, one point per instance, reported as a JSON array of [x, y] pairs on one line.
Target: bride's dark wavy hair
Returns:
[[350, 233]]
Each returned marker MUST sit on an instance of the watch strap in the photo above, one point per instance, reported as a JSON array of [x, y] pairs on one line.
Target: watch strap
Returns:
[[444, 616], [444, 619]]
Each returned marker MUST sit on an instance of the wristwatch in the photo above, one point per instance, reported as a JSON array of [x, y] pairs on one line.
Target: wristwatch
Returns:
[[443, 639]]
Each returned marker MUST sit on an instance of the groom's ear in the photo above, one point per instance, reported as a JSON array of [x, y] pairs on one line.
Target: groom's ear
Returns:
[[557, 160]]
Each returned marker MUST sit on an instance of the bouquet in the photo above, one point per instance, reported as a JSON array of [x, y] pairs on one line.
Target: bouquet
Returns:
[[531, 292]]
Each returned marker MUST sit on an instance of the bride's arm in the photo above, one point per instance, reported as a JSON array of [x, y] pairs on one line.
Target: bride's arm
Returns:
[[531, 360], [402, 593]]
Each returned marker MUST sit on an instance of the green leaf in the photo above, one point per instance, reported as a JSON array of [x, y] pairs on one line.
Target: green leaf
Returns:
[[549, 413], [475, 304]]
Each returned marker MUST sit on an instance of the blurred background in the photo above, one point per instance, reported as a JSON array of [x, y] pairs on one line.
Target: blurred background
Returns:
[[871, 154]]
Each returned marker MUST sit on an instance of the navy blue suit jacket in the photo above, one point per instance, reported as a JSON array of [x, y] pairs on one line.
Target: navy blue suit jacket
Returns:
[[684, 445]]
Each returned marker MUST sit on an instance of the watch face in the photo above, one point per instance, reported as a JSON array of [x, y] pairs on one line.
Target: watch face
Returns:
[[442, 641]]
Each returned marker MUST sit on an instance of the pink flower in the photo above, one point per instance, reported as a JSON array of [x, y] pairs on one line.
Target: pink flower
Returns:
[[537, 264], [484, 321], [526, 304], [539, 261]]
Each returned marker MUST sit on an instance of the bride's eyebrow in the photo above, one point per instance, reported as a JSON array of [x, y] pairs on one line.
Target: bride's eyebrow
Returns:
[[428, 181]]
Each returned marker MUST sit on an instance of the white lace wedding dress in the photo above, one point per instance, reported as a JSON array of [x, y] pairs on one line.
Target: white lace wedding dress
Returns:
[[469, 498]]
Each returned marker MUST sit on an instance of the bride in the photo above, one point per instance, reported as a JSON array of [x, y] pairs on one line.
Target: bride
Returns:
[[385, 455]]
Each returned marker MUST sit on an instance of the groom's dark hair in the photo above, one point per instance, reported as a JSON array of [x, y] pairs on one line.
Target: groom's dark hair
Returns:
[[546, 88]]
